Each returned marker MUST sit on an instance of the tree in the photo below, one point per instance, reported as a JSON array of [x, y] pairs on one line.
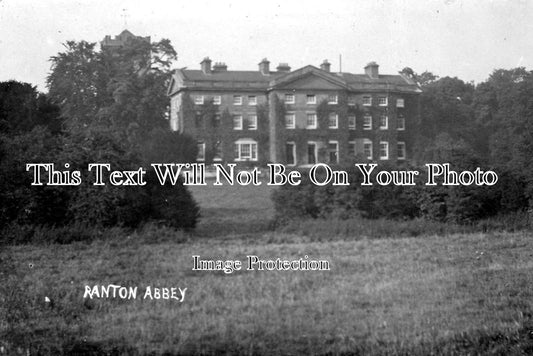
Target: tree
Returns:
[[123, 88], [75, 83], [22, 202], [504, 107], [137, 76], [164, 146], [446, 108], [22, 108], [424, 78]]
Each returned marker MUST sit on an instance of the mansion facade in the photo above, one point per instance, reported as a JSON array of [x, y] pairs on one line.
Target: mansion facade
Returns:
[[301, 117]]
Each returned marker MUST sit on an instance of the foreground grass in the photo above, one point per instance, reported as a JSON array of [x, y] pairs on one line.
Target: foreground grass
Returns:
[[450, 290], [233, 210], [458, 294]]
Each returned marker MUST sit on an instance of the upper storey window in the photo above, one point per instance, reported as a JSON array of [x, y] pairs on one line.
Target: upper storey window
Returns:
[[400, 123], [289, 99], [382, 101], [400, 103], [237, 100], [311, 122], [367, 100], [290, 121], [333, 99], [237, 122], [199, 99], [351, 122], [333, 121]]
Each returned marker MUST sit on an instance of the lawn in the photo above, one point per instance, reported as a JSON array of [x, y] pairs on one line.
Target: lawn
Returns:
[[453, 294]]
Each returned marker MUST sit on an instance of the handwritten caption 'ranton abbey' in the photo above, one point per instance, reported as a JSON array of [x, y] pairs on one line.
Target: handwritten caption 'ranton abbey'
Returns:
[[319, 174]]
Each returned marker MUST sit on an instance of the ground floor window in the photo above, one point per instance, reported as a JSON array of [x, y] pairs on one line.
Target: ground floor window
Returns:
[[401, 150], [201, 151], [333, 150], [352, 148], [217, 154], [312, 152], [290, 149], [383, 150], [245, 150], [367, 148]]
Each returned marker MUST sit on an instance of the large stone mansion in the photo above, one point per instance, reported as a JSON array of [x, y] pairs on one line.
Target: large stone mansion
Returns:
[[298, 117]]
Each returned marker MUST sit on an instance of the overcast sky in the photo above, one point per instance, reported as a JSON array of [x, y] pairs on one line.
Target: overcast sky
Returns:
[[467, 39]]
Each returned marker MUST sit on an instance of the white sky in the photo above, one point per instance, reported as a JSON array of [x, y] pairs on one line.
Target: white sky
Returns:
[[467, 39]]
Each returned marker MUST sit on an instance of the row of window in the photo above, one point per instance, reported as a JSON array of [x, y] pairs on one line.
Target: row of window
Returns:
[[333, 151], [383, 149], [246, 150], [237, 100], [310, 99], [333, 121], [250, 121], [352, 100]]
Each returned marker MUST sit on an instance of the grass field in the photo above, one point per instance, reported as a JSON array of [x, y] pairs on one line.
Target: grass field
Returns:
[[430, 294]]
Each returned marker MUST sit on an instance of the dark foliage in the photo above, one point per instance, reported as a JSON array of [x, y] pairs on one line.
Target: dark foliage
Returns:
[[454, 204], [165, 146], [21, 202], [85, 204], [22, 108]]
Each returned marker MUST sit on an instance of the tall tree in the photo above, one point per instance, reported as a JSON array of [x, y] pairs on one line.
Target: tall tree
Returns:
[[74, 83], [121, 88], [504, 106], [22, 108], [446, 109]]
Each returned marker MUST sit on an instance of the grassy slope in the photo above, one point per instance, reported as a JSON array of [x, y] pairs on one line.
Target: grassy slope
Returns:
[[415, 295]]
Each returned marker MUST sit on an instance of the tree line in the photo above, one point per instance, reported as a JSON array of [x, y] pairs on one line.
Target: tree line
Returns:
[[106, 106], [110, 106], [488, 125]]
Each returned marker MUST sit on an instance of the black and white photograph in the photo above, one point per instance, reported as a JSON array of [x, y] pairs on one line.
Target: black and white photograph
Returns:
[[266, 177]]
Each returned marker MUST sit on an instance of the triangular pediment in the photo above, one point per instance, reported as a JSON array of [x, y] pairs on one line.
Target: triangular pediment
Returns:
[[310, 81], [309, 77]]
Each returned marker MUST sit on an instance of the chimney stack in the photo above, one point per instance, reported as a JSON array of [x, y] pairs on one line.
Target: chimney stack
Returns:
[[264, 67], [372, 70], [206, 65], [220, 67], [325, 66], [283, 67]]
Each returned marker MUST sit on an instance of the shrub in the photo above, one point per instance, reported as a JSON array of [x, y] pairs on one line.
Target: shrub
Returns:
[[106, 205], [165, 146], [455, 204], [85, 204], [344, 202], [22, 202], [172, 204], [125, 205]]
